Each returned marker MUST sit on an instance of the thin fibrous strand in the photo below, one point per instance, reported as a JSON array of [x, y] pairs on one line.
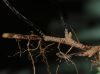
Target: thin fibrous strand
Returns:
[[31, 56], [74, 34], [66, 27], [42, 52], [91, 67], [69, 56], [20, 51], [49, 45], [17, 53], [19, 15], [39, 42], [25, 50], [66, 57], [46, 62], [69, 50], [63, 22], [74, 65], [58, 47], [93, 64], [58, 66], [57, 69]]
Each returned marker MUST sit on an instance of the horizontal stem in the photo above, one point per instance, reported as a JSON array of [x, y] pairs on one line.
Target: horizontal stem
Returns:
[[67, 41], [89, 50]]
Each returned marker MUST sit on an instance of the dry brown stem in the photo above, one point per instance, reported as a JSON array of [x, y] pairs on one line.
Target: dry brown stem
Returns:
[[68, 40]]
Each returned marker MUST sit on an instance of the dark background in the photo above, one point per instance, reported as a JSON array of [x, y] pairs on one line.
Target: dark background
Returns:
[[82, 15]]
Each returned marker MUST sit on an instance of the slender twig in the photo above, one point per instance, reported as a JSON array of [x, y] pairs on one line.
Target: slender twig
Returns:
[[68, 40]]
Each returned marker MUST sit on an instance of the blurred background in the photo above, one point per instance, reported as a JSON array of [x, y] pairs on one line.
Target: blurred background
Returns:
[[82, 15]]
